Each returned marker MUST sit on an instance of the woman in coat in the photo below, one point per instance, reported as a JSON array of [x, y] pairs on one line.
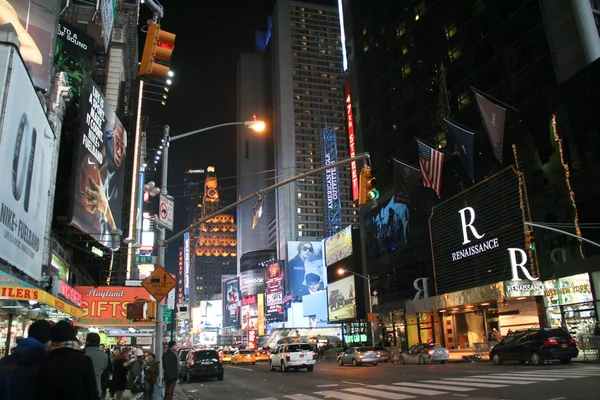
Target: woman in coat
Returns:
[[119, 380], [150, 375]]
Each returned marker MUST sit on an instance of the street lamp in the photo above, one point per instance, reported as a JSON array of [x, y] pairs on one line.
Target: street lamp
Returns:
[[344, 271]]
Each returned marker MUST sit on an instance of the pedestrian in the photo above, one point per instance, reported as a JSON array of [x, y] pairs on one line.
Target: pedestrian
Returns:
[[170, 369], [66, 372], [119, 381], [106, 374], [18, 370], [99, 359], [497, 335], [116, 353], [134, 371], [151, 372]]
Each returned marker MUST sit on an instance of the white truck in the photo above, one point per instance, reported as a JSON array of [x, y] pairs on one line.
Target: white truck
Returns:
[[293, 355]]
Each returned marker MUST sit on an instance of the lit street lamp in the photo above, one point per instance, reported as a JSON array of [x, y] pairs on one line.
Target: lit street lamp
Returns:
[[343, 271]]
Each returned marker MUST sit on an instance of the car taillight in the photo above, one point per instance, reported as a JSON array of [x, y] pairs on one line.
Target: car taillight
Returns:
[[430, 352], [573, 341], [549, 342], [314, 354], [268, 354], [191, 362], [287, 356], [361, 356], [378, 355]]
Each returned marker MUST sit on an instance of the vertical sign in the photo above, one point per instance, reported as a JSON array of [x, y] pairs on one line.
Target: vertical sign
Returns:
[[232, 301], [180, 277], [186, 264], [274, 292], [351, 145]]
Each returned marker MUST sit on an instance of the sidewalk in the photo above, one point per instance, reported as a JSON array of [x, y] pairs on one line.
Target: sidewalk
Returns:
[[179, 393]]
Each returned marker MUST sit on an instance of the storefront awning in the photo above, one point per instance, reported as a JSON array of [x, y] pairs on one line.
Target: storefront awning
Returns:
[[467, 296], [12, 288]]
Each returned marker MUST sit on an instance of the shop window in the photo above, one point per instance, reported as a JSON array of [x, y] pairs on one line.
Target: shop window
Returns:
[[463, 100], [420, 10], [401, 30], [406, 69], [454, 53], [450, 30]]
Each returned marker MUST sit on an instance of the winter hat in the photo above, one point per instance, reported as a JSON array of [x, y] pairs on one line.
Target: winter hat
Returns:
[[138, 353], [172, 343], [40, 330], [63, 331]]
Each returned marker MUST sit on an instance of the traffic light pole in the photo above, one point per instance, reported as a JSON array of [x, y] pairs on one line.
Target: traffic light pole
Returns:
[[536, 225]]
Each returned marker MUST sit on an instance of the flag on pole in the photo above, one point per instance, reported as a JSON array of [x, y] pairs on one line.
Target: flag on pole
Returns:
[[405, 181], [465, 143], [432, 162], [493, 117]]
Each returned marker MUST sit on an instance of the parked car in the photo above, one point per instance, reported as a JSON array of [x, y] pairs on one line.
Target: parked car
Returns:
[[181, 356], [203, 363], [293, 355], [384, 355], [262, 355], [535, 346], [425, 353], [243, 357], [359, 356], [336, 299]]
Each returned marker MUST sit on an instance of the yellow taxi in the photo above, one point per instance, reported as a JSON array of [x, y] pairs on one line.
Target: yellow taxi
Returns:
[[226, 355], [262, 355], [243, 357]]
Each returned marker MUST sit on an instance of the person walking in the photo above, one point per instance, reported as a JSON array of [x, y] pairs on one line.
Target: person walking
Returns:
[[170, 369], [66, 372], [18, 370], [151, 372], [134, 373], [99, 359], [119, 380], [106, 376], [116, 353]]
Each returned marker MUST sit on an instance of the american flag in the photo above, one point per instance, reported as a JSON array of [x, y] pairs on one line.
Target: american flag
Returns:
[[432, 162], [286, 298]]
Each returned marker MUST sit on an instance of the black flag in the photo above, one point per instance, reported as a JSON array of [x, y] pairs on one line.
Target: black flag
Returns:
[[493, 117], [406, 179], [465, 144]]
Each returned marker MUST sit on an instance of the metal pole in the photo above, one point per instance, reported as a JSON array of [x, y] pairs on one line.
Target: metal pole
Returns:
[[561, 231], [370, 309], [207, 129]]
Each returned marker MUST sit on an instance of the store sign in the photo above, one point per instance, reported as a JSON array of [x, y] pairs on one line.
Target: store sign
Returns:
[[523, 288], [421, 286], [516, 265], [571, 289], [351, 143], [186, 264], [69, 292], [477, 248], [107, 305], [180, 278]]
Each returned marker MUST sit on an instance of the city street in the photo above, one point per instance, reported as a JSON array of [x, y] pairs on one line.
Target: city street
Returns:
[[395, 381]]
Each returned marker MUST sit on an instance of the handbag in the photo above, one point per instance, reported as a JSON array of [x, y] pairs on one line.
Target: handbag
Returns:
[[137, 386]]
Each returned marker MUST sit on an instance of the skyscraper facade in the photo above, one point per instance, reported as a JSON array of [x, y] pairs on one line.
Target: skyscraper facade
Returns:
[[193, 194], [308, 101]]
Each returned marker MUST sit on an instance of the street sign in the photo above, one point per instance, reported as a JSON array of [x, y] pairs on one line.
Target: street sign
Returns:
[[144, 260], [167, 314], [159, 283], [165, 211], [133, 282], [372, 317]]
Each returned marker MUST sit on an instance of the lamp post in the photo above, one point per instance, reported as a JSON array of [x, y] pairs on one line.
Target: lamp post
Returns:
[[343, 271]]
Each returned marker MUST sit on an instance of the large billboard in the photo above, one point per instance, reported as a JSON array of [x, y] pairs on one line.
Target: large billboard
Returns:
[[341, 300], [252, 288], [306, 269], [386, 229], [252, 282], [232, 301], [26, 147], [98, 189], [186, 264], [472, 231], [107, 305], [36, 24], [209, 315], [338, 246], [274, 292]]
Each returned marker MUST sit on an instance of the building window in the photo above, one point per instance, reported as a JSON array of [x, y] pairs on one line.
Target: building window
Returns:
[[406, 69], [450, 30], [463, 100], [404, 49], [454, 53], [420, 10], [440, 139], [401, 30], [366, 48], [478, 6], [364, 31]]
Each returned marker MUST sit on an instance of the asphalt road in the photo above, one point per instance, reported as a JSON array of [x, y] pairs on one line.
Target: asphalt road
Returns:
[[475, 381]]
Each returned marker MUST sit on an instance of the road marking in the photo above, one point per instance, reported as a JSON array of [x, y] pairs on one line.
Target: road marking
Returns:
[[301, 397], [354, 383], [413, 390], [553, 374], [460, 395], [558, 398], [473, 384], [247, 369], [487, 379], [330, 394], [379, 393], [540, 377], [267, 398], [328, 385], [426, 386]]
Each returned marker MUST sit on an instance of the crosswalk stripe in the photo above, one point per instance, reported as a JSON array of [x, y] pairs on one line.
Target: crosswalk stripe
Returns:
[[473, 384], [301, 397], [330, 394], [413, 390], [428, 386], [563, 373], [379, 393], [517, 380], [540, 377], [267, 398], [488, 379]]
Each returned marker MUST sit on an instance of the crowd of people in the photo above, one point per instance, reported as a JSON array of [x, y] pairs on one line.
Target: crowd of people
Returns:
[[51, 364]]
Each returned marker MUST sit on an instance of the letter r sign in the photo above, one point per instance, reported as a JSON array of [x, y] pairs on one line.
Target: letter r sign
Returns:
[[515, 265], [468, 225]]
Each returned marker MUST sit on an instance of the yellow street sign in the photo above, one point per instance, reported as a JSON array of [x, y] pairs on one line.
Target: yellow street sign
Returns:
[[159, 283]]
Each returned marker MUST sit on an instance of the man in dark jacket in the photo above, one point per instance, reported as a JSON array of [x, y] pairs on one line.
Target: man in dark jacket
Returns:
[[99, 358], [18, 370], [170, 369], [66, 372]]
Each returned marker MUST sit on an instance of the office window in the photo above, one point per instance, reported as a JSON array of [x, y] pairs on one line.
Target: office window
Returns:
[[450, 30], [401, 30], [404, 49], [406, 69], [454, 53], [440, 139], [366, 48], [420, 10], [463, 100], [478, 6]]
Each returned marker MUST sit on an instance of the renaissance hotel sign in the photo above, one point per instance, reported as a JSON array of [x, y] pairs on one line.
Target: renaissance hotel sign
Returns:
[[472, 232]]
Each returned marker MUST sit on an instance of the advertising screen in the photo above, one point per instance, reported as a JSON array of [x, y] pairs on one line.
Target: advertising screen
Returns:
[[471, 232], [341, 300], [36, 24], [98, 184], [306, 268], [274, 292], [107, 305], [232, 302], [26, 148], [338, 246], [210, 315], [386, 229], [252, 282]]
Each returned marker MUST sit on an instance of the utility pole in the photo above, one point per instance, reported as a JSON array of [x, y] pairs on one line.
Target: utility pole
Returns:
[[536, 225]]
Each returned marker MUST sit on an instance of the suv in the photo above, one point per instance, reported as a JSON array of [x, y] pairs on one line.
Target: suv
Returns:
[[535, 346], [203, 363], [293, 355]]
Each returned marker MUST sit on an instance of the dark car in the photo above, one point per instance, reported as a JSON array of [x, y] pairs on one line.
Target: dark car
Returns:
[[203, 363], [535, 346], [181, 356]]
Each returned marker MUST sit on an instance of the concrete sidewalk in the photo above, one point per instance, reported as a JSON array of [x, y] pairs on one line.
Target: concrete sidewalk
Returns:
[[179, 393]]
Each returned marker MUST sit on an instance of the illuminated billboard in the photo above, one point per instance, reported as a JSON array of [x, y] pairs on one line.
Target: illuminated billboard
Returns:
[[107, 305], [252, 288], [338, 246], [387, 229], [274, 292], [232, 301], [305, 269], [186, 265], [341, 300]]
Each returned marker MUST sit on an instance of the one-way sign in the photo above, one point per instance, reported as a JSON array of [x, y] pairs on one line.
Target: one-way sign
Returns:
[[165, 212]]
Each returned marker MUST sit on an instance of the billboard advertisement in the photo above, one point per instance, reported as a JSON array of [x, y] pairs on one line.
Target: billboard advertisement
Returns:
[[186, 265], [232, 302], [35, 22], [351, 141], [98, 188], [341, 300], [211, 314], [107, 305], [472, 232], [208, 338], [338, 246], [306, 269], [252, 282], [274, 292], [386, 229], [26, 150], [180, 276]]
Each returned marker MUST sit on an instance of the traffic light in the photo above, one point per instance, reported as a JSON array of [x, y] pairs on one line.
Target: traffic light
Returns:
[[141, 310], [529, 239], [368, 183], [158, 48]]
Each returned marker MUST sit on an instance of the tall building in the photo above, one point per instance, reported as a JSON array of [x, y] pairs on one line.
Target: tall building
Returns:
[[215, 251], [308, 102], [192, 193]]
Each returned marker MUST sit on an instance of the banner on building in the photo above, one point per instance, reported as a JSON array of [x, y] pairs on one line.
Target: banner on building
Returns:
[[232, 301], [406, 180], [107, 305], [306, 268], [338, 246], [274, 292]]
